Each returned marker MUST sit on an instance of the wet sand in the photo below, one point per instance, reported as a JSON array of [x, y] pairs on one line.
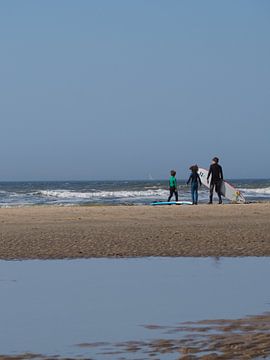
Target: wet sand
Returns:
[[44, 232], [243, 339], [246, 338]]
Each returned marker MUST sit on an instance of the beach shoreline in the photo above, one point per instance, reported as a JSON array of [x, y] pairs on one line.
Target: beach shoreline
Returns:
[[51, 232]]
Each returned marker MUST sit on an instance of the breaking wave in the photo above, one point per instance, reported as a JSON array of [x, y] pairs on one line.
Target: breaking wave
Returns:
[[257, 191], [66, 194]]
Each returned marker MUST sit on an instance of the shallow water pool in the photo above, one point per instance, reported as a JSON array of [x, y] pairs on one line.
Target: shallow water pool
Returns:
[[64, 307]]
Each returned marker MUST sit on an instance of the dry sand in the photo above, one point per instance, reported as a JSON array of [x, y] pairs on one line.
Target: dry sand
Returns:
[[42, 232]]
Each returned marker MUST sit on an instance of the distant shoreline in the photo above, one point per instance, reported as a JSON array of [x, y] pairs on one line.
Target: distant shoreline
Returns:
[[59, 232]]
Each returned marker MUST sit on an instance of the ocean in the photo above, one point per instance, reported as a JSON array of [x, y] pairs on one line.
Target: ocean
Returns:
[[68, 193]]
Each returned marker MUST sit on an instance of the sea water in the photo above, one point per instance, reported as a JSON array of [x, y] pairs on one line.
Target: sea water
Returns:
[[56, 307], [112, 192]]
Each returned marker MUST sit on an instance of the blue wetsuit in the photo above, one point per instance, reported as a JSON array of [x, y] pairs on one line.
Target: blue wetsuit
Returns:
[[195, 181]]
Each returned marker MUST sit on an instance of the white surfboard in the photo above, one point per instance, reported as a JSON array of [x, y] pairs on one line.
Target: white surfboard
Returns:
[[227, 190]]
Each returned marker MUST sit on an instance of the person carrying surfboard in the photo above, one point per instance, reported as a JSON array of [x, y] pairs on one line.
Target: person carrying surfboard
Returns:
[[195, 181], [173, 186], [216, 173]]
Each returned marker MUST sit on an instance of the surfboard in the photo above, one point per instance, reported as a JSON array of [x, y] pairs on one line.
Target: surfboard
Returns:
[[171, 203], [227, 190]]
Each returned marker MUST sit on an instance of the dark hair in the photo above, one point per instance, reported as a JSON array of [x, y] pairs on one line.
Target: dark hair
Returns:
[[216, 159], [173, 172], [194, 168]]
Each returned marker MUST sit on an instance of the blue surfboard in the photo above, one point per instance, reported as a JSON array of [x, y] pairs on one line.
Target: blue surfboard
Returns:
[[171, 203]]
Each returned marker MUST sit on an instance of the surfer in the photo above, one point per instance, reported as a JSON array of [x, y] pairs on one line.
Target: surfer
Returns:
[[216, 179], [195, 181], [173, 186]]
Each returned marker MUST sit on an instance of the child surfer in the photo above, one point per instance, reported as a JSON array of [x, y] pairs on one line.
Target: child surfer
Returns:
[[173, 186]]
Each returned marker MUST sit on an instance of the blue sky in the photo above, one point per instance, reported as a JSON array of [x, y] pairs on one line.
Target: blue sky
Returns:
[[120, 89]]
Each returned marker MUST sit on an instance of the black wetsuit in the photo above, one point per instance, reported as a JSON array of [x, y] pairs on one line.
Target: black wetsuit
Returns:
[[216, 180]]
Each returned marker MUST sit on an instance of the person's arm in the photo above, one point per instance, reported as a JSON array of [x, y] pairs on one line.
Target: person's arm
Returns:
[[199, 179], [175, 183], [221, 173], [209, 173], [189, 179]]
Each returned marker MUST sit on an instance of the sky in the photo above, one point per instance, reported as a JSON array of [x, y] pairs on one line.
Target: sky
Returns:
[[123, 89]]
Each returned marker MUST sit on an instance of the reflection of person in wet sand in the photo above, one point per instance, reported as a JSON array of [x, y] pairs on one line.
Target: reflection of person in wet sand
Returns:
[[216, 173]]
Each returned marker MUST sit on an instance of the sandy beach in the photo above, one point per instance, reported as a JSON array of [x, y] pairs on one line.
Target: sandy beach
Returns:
[[47, 232]]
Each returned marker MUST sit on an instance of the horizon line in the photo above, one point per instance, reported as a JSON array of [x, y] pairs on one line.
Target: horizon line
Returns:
[[109, 180]]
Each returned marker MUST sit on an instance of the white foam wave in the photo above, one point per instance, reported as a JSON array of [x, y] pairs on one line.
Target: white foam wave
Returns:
[[257, 191], [9, 194], [66, 194]]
